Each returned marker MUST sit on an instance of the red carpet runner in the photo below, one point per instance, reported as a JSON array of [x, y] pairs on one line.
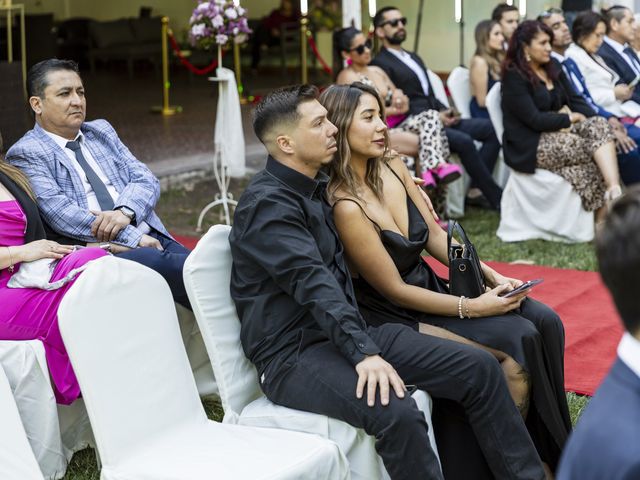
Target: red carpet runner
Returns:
[[592, 325]]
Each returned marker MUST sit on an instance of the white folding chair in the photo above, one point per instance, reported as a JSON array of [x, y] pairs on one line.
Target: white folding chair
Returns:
[[121, 332], [539, 205], [207, 274], [17, 461], [458, 83]]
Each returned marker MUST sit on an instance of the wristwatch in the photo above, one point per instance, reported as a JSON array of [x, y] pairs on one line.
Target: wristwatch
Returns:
[[127, 212]]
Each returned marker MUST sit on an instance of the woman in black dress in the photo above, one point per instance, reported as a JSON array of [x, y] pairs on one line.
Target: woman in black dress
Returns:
[[385, 224]]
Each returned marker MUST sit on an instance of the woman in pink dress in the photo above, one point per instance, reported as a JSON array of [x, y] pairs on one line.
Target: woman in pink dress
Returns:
[[31, 313]]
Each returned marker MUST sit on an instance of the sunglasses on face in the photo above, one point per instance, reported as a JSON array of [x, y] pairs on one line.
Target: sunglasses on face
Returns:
[[394, 23], [361, 48]]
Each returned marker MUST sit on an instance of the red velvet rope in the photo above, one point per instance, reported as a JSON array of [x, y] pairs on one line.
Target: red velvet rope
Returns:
[[314, 49], [187, 63]]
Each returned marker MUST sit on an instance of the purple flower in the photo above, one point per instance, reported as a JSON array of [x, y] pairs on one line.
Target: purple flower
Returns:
[[217, 21]]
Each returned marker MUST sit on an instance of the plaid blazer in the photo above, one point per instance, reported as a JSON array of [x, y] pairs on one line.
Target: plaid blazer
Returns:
[[60, 191]]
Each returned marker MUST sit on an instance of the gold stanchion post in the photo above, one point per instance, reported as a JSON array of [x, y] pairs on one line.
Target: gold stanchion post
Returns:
[[304, 32], [9, 8], [166, 109], [238, 69]]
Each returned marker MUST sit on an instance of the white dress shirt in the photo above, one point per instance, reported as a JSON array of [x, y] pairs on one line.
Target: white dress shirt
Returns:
[[92, 200], [629, 352], [405, 58], [618, 47]]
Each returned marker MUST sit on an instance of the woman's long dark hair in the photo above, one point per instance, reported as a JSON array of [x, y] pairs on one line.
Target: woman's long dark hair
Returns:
[[342, 43], [516, 59]]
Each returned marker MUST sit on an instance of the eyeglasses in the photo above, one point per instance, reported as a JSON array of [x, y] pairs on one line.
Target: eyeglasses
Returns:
[[361, 48], [394, 23]]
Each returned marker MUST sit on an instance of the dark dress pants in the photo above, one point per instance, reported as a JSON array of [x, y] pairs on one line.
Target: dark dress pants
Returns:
[[318, 378], [168, 263], [629, 163], [478, 163]]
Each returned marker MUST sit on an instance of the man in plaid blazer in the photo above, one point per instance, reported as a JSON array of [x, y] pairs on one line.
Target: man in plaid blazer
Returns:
[[89, 186]]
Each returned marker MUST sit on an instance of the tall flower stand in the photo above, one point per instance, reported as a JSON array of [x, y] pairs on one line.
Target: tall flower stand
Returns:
[[229, 154]]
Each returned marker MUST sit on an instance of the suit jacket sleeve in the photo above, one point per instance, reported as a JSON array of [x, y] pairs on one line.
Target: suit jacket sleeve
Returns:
[[517, 99], [142, 189]]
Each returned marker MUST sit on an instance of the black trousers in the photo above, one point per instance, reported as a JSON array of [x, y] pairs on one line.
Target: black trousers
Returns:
[[317, 378], [478, 163], [168, 263]]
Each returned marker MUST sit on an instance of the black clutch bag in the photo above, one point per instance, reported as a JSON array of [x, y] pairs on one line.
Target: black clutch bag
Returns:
[[465, 273]]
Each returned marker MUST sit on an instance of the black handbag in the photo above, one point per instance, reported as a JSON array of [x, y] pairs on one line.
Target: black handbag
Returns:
[[465, 273]]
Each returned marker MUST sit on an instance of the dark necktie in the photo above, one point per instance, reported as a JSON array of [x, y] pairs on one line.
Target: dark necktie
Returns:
[[99, 188], [634, 59]]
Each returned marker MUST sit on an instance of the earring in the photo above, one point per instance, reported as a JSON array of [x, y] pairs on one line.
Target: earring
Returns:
[[527, 57]]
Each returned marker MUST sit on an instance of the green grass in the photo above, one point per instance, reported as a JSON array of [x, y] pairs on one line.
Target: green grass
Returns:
[[179, 210]]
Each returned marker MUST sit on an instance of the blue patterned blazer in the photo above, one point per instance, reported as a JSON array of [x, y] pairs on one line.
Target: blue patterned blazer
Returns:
[[59, 188]]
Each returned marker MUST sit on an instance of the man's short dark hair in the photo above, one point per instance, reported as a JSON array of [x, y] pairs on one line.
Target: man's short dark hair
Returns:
[[378, 19], [616, 13], [500, 10], [281, 106], [618, 250], [37, 76]]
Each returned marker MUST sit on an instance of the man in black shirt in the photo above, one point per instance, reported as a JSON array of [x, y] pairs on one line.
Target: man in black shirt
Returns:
[[302, 329]]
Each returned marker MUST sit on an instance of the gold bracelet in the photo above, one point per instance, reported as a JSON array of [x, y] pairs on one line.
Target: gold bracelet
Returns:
[[466, 308], [10, 267]]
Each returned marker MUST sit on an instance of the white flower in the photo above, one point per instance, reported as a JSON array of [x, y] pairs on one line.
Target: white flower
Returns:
[[231, 13], [241, 11], [217, 21], [197, 30], [203, 6], [221, 39], [235, 30]]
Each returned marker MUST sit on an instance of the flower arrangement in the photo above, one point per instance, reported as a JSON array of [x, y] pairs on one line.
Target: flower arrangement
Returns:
[[216, 23]]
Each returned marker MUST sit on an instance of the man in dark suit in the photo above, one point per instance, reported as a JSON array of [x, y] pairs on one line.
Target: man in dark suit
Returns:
[[606, 441], [615, 49], [409, 73]]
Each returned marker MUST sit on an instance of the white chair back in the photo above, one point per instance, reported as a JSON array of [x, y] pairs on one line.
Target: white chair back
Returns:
[[207, 275], [119, 326], [458, 83], [438, 87], [17, 461], [494, 98]]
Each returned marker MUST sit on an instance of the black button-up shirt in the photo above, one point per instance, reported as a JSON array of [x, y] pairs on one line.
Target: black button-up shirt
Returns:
[[289, 279]]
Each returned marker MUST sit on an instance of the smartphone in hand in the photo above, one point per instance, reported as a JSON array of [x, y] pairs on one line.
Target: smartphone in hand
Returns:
[[523, 287]]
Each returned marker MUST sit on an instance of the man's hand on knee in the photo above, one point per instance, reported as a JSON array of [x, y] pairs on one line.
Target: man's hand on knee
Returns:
[[108, 224], [149, 241], [373, 371]]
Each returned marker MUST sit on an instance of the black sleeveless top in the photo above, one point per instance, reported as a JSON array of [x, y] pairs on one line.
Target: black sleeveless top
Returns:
[[406, 253]]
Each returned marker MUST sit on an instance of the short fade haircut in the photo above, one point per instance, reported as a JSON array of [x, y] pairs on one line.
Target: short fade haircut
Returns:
[[613, 13], [500, 10], [281, 106], [378, 19], [618, 251], [37, 76]]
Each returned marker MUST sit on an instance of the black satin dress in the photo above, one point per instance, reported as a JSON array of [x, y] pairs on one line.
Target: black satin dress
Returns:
[[533, 335]]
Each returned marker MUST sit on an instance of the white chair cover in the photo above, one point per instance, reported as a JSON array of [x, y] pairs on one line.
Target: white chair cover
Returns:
[[494, 97], [458, 83], [17, 461], [229, 136], [55, 432], [207, 274], [121, 332], [539, 205]]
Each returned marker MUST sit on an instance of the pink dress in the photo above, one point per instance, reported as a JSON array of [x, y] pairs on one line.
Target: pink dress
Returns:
[[31, 313]]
